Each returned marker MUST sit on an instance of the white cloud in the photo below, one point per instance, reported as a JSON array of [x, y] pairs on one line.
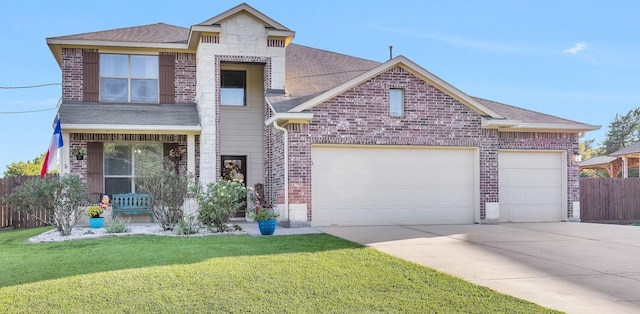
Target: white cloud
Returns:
[[579, 46]]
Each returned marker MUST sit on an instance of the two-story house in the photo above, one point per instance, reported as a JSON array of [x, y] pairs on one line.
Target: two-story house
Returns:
[[335, 139]]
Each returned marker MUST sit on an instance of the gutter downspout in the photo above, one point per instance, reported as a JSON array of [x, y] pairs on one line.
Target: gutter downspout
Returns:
[[285, 134]]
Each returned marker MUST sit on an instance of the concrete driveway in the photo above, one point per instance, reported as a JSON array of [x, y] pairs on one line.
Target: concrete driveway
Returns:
[[572, 267]]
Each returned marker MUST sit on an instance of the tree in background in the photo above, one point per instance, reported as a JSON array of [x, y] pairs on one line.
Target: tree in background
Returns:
[[25, 168], [588, 151], [623, 131]]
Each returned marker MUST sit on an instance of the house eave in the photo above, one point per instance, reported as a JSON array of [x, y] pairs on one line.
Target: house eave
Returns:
[[550, 127], [119, 128], [290, 117], [56, 45]]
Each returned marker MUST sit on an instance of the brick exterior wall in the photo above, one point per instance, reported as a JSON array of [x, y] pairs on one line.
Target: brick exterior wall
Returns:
[[72, 71], [431, 118], [73, 85], [185, 78], [273, 161]]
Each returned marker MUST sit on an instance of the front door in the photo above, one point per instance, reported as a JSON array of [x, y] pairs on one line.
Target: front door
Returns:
[[235, 168]]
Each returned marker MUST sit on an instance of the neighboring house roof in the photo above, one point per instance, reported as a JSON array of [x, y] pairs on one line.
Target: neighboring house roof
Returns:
[[128, 116], [597, 161], [631, 149]]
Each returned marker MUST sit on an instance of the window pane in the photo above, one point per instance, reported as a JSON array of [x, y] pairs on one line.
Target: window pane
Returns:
[[232, 96], [144, 67], [117, 159], [114, 65], [113, 90], [144, 90], [117, 185], [233, 78], [148, 155], [396, 102]]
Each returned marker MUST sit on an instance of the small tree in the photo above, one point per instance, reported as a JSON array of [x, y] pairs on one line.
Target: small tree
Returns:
[[167, 189], [58, 197], [24, 168], [219, 202]]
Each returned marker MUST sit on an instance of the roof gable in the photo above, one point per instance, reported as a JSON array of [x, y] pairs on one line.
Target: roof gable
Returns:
[[412, 68], [243, 7]]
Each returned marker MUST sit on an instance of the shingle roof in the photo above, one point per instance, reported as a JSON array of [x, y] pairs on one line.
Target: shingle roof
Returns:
[[151, 33], [124, 114], [631, 149], [523, 115], [311, 71]]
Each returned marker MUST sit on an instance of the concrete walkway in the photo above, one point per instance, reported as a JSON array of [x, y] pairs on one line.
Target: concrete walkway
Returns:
[[572, 267]]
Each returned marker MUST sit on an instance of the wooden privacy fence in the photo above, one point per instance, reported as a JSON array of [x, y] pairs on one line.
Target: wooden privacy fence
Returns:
[[11, 218], [612, 200]]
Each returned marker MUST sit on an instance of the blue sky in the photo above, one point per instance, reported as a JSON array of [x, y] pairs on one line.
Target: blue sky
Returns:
[[579, 60]]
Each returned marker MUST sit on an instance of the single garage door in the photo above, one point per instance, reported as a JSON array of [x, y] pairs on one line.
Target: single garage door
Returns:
[[532, 186], [366, 185]]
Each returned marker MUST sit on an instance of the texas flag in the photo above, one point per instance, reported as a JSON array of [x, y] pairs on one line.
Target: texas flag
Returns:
[[51, 159]]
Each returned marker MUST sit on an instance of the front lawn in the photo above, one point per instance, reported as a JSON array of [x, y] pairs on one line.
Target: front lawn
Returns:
[[231, 274]]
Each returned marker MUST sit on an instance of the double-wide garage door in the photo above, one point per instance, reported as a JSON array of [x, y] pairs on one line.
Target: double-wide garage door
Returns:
[[363, 185], [532, 186]]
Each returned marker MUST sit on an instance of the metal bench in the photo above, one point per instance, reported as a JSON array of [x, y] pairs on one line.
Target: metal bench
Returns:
[[130, 204]]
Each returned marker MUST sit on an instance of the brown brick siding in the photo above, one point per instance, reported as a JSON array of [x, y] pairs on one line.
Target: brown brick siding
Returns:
[[72, 76], [185, 78], [431, 118]]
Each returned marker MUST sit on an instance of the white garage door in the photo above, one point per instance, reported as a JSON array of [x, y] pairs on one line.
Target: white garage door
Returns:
[[532, 186], [362, 185]]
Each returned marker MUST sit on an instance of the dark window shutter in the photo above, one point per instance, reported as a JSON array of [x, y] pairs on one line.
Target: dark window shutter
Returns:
[[167, 79], [91, 75], [94, 169]]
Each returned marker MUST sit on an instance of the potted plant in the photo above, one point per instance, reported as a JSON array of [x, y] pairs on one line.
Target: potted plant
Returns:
[[264, 215], [79, 152], [94, 212]]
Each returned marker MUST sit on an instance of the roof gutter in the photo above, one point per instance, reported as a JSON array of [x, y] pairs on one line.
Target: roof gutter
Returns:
[[285, 135], [290, 117]]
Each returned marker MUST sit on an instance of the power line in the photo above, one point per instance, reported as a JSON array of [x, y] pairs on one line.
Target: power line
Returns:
[[26, 111], [29, 86]]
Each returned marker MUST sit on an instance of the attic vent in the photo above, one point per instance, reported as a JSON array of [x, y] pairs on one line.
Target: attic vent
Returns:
[[278, 43], [210, 39]]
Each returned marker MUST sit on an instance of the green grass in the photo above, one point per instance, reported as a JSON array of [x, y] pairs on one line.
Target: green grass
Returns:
[[230, 274]]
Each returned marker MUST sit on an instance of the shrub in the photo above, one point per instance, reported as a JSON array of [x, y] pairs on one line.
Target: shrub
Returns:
[[58, 197], [94, 211], [188, 225], [167, 189], [118, 225], [219, 202]]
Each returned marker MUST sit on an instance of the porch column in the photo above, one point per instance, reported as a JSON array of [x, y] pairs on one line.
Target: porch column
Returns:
[[191, 153], [625, 167]]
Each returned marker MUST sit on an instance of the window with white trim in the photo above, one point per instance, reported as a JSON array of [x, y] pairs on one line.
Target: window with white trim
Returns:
[[129, 78], [121, 160], [233, 88], [396, 102]]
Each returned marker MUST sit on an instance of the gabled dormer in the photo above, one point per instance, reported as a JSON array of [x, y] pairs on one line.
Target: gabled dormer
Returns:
[[244, 31]]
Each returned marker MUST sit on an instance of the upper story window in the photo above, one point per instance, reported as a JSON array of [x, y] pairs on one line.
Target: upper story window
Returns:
[[396, 102], [128, 78], [233, 88]]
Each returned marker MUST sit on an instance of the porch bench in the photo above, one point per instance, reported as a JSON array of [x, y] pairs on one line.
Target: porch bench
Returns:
[[130, 204]]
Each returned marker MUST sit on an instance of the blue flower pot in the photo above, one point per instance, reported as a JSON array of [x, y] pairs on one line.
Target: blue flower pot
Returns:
[[96, 222], [267, 227]]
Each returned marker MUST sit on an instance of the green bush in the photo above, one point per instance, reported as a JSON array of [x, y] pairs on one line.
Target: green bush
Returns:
[[219, 202], [59, 197], [188, 225], [118, 225], [167, 188]]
